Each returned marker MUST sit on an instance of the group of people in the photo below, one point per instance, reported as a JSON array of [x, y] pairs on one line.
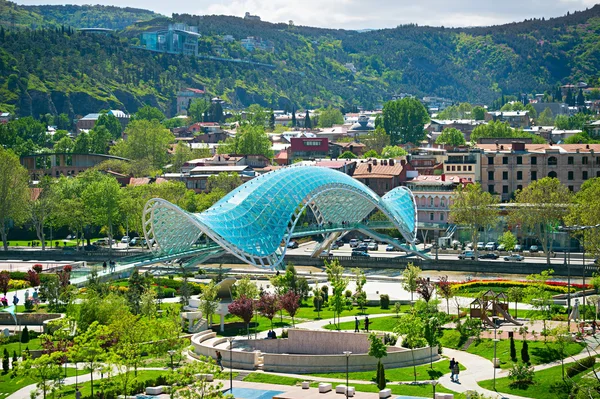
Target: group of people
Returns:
[[111, 266], [357, 324], [15, 300], [271, 334], [454, 370]]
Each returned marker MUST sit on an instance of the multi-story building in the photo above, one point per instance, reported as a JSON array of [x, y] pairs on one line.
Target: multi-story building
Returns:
[[466, 126], [185, 97], [516, 119], [252, 43], [309, 147], [463, 163], [509, 167], [383, 175], [176, 39]]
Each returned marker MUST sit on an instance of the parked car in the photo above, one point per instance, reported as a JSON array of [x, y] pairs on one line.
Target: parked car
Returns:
[[373, 246], [490, 246], [362, 247], [518, 248], [125, 239], [360, 253], [354, 243], [90, 248], [334, 246], [533, 249], [467, 255], [104, 241], [134, 241], [326, 254], [501, 247], [292, 244], [469, 245], [417, 241], [71, 237], [514, 258], [488, 255], [455, 243], [367, 240], [391, 248], [480, 246]]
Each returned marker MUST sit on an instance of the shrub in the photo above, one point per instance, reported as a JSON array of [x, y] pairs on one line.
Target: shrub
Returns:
[[513, 350], [384, 301], [452, 339], [29, 305], [525, 352], [521, 375], [25, 335], [6, 361], [284, 334], [167, 293], [18, 284], [380, 376], [580, 366], [348, 294], [38, 268], [18, 275]]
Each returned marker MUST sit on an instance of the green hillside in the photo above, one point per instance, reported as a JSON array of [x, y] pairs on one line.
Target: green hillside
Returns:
[[55, 70]]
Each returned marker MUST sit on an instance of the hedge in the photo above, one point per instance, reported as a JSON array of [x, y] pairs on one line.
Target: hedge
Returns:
[[580, 366], [552, 285]]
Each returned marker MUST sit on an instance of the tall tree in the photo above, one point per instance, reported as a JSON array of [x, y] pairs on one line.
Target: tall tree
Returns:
[[14, 192], [478, 113], [268, 305], [539, 208], [149, 113], [249, 140], [410, 275], [444, 289], [197, 109], [243, 307], [338, 284], [404, 120], [451, 136], [585, 211], [307, 121], [99, 138], [290, 302], [330, 116], [294, 122], [474, 208], [147, 141], [42, 207], [111, 123], [433, 333], [101, 199], [82, 144], [376, 140], [545, 118], [412, 328]]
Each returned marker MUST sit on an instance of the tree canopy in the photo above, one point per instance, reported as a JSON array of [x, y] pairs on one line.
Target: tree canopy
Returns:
[[147, 141], [451, 136], [249, 140], [404, 120]]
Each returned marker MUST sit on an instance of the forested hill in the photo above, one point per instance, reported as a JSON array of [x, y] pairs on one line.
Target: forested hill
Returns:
[[86, 16], [58, 70]]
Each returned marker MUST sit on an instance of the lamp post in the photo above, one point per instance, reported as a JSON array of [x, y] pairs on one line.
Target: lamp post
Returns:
[[230, 339], [433, 385], [568, 265], [347, 353], [495, 361], [171, 354]]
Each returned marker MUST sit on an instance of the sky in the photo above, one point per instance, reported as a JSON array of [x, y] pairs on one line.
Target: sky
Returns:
[[360, 14]]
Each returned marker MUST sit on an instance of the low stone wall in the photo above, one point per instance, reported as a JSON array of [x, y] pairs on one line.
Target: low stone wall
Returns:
[[204, 342], [29, 319], [288, 363], [314, 342]]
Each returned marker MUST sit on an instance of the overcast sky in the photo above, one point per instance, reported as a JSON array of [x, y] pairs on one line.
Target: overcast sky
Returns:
[[360, 14]]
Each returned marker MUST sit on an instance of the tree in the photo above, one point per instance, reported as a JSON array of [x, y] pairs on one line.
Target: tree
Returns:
[[433, 333], [208, 301], [257, 116], [249, 140], [111, 123], [500, 129], [89, 348], [290, 301], [410, 275], [444, 289], [14, 192], [509, 240], [101, 199], [330, 116], [137, 284], [404, 120], [515, 294], [99, 139], [271, 121], [42, 208], [64, 145], [307, 122], [412, 328], [473, 208], [33, 277], [452, 137], [585, 211], [539, 207], [181, 155], [360, 295], [580, 98], [478, 113], [293, 122], [147, 141], [525, 352], [187, 386], [149, 113], [378, 350], [561, 339], [245, 287], [197, 109], [243, 307], [376, 140], [348, 155], [540, 298], [425, 288], [545, 118], [392, 151], [513, 349], [268, 305], [44, 369], [82, 144], [224, 181], [338, 283], [5, 361]]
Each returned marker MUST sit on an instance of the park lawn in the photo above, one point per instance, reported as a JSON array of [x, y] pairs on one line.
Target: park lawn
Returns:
[[235, 326], [33, 344], [41, 308], [9, 385], [406, 374], [407, 390], [27, 243], [387, 323], [307, 311], [539, 352], [543, 388], [86, 387]]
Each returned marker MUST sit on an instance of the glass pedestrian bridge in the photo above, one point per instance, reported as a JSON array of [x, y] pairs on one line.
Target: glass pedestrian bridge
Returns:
[[256, 221]]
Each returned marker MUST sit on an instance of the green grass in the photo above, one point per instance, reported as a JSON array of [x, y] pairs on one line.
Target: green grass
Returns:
[[408, 390], [387, 323], [86, 387], [307, 311], [424, 372], [33, 344], [539, 352], [546, 385], [9, 385], [27, 243], [236, 326]]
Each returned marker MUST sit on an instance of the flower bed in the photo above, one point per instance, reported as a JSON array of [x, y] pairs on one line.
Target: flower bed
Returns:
[[556, 286]]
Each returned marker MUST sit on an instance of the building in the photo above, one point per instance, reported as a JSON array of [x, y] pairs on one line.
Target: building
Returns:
[[510, 167], [337, 149], [197, 178], [4, 117], [463, 163], [250, 17], [383, 175], [515, 119], [62, 164], [309, 147], [363, 126], [252, 43], [346, 166], [185, 97], [555, 108], [176, 39], [121, 116], [86, 123], [594, 129], [207, 132], [466, 126]]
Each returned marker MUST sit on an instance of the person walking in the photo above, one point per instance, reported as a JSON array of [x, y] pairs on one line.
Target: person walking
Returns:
[[356, 325], [104, 266], [77, 393], [26, 295], [455, 371], [220, 360], [15, 300], [452, 363], [367, 324]]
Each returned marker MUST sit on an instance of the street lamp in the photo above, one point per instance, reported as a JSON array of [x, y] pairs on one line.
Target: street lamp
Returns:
[[495, 361], [347, 353], [171, 354], [433, 385], [230, 339]]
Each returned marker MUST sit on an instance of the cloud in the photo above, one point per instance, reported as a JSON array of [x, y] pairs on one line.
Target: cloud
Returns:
[[362, 14]]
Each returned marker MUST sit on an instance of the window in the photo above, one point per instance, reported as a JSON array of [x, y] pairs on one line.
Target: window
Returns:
[[458, 168], [504, 175], [534, 160], [431, 216], [570, 175], [441, 217], [571, 188], [491, 160], [447, 168], [519, 160], [490, 175], [519, 175], [442, 203], [430, 201], [533, 175], [552, 161], [598, 174], [491, 187], [584, 161], [584, 175], [570, 161], [519, 187], [504, 189], [470, 168], [504, 160], [453, 168], [312, 143], [552, 174]]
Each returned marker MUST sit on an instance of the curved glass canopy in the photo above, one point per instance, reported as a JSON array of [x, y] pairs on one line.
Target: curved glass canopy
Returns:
[[253, 221]]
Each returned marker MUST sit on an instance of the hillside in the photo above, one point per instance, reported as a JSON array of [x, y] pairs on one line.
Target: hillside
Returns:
[[59, 71]]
